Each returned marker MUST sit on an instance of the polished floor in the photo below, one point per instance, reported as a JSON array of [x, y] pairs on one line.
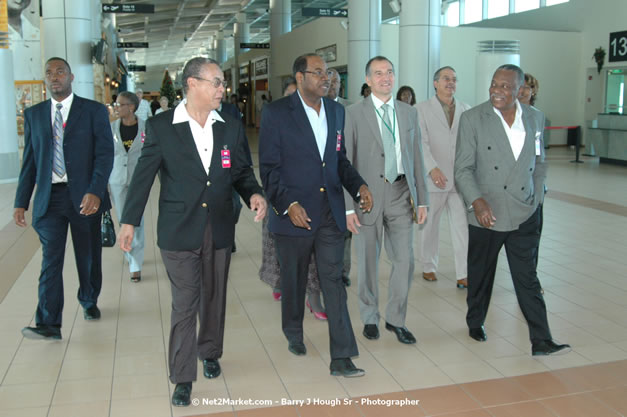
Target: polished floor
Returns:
[[117, 366]]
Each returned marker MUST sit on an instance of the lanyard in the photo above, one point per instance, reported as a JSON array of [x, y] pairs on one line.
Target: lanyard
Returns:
[[392, 130]]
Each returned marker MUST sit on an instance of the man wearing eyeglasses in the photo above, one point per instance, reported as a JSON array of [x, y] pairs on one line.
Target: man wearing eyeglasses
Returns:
[[200, 154], [303, 167], [383, 144]]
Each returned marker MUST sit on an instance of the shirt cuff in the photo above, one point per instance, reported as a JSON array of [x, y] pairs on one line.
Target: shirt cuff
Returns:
[[350, 212]]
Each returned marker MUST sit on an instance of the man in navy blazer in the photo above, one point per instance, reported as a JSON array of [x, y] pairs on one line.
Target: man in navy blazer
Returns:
[[303, 166], [68, 154]]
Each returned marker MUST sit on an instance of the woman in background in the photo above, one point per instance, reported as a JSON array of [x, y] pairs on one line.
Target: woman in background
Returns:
[[163, 102], [128, 139], [407, 95]]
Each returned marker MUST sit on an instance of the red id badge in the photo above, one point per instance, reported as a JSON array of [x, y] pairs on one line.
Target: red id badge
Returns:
[[226, 158], [338, 146]]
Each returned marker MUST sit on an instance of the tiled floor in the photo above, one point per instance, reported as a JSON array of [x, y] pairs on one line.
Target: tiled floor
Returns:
[[117, 366]]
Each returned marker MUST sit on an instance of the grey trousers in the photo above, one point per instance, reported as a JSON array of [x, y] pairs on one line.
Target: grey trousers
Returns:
[[397, 222], [198, 281]]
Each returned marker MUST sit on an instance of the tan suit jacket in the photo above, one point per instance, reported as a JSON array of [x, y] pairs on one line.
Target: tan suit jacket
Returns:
[[439, 140]]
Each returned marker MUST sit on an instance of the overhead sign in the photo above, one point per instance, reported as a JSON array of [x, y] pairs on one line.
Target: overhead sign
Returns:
[[132, 44], [247, 45], [618, 47], [324, 12], [128, 8], [137, 68]]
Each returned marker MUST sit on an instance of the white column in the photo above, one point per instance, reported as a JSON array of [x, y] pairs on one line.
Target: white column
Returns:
[[241, 33], [364, 41], [493, 54], [219, 45], [67, 33], [419, 43], [9, 154], [280, 23]]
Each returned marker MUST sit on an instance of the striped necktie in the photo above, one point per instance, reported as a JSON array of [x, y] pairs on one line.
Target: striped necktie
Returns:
[[58, 165]]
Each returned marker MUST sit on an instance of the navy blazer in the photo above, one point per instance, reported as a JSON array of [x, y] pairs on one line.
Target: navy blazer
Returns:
[[87, 150], [291, 168], [188, 197]]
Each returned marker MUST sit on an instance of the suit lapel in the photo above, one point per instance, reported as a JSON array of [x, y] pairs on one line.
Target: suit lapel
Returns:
[[73, 117], [219, 131], [498, 132], [332, 133], [370, 115], [302, 121], [436, 108], [530, 134], [184, 133]]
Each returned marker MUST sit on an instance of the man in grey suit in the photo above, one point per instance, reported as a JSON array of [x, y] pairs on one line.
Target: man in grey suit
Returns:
[[334, 94], [500, 171], [439, 119], [383, 144]]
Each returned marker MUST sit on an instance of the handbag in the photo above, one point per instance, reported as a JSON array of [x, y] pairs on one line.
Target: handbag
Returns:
[[107, 230]]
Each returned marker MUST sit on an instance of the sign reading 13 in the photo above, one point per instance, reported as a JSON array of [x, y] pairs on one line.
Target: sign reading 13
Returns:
[[618, 46]]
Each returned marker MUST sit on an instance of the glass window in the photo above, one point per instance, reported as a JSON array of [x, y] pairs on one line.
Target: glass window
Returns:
[[524, 5], [452, 14], [552, 2], [473, 11], [498, 8]]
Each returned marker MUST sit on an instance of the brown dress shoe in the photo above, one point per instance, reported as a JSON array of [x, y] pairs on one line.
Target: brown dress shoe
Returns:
[[429, 276], [462, 283]]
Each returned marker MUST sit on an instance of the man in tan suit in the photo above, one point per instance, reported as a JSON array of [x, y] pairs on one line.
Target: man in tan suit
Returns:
[[383, 144], [439, 119]]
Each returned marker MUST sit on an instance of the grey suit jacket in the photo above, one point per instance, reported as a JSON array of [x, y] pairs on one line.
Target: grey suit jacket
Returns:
[[485, 165], [343, 102], [124, 162], [364, 148], [439, 140]]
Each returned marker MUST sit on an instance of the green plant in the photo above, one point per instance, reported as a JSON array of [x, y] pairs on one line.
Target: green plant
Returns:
[[599, 57]]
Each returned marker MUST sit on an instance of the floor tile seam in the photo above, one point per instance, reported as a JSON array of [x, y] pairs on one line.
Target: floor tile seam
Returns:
[[589, 203], [598, 401]]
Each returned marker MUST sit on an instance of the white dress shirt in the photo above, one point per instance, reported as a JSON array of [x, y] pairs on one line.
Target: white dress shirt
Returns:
[[378, 104], [318, 124], [516, 133], [65, 112], [203, 135]]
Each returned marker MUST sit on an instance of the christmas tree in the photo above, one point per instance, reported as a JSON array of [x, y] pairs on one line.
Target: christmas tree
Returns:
[[167, 89]]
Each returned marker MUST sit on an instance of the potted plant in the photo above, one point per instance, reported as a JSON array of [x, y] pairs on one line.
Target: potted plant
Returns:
[[599, 57]]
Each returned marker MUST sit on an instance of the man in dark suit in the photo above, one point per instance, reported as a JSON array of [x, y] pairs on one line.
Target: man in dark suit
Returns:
[[500, 171], [68, 154], [200, 155], [303, 166]]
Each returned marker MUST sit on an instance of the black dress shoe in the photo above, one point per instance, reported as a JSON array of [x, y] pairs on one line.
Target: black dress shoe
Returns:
[[42, 332], [547, 347], [371, 331], [211, 368], [402, 334], [478, 333], [346, 280], [346, 368], [181, 395], [91, 313], [297, 348]]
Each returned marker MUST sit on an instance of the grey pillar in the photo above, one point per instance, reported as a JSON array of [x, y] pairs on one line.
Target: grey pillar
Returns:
[[419, 43], [67, 30], [280, 23], [9, 154], [364, 41], [241, 33]]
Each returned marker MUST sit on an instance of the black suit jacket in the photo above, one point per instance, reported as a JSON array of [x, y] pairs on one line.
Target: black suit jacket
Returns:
[[87, 150], [189, 197], [291, 168]]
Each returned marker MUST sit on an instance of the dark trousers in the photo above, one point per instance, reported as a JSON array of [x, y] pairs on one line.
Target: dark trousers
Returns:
[[521, 246], [52, 229], [327, 242], [198, 281]]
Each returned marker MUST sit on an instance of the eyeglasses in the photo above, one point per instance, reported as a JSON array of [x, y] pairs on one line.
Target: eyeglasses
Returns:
[[116, 104], [216, 82], [320, 73]]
